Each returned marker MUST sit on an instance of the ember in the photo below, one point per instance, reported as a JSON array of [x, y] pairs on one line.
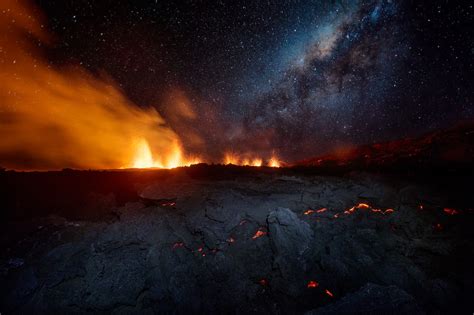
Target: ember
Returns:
[[366, 206], [178, 245], [259, 233], [329, 293], [313, 284], [168, 204], [310, 211], [451, 211]]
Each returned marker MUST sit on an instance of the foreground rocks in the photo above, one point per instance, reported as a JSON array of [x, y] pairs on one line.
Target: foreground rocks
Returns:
[[266, 243]]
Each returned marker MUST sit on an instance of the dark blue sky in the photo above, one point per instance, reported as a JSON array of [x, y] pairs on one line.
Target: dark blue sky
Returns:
[[297, 77]]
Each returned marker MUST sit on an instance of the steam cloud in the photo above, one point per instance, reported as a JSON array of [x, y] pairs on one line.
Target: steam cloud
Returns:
[[52, 117]]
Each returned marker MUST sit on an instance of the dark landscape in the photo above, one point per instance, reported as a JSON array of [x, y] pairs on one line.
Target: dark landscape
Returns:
[[224, 238], [236, 157]]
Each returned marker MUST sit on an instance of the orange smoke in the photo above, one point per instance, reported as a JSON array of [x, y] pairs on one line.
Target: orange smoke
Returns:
[[53, 117]]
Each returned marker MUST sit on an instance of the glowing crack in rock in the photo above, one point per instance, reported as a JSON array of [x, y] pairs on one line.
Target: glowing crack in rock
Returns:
[[259, 233]]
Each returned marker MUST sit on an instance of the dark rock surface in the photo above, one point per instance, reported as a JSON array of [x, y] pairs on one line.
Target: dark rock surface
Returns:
[[266, 243], [373, 299]]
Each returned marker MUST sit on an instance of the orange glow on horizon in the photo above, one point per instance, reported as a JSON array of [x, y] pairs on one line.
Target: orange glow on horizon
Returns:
[[274, 162], [173, 158], [231, 158]]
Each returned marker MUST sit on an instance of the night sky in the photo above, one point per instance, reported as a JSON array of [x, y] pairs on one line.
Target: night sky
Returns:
[[295, 77]]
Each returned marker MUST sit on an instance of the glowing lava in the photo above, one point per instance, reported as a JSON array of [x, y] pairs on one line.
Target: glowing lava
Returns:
[[329, 293], [231, 158], [450, 211], [143, 156], [258, 234], [310, 211], [312, 284], [172, 158], [274, 162]]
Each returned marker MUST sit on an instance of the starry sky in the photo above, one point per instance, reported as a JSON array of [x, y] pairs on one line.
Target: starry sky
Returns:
[[298, 78]]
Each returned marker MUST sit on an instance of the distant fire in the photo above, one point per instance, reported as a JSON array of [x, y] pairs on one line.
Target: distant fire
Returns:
[[173, 158], [56, 117], [232, 158], [274, 162]]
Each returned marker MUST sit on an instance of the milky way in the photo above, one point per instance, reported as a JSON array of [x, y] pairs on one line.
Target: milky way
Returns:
[[293, 77]]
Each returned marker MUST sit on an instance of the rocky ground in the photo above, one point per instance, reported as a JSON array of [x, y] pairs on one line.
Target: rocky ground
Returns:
[[271, 242]]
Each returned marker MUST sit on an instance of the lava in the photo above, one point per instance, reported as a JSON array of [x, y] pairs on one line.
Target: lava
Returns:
[[367, 206], [168, 204], [310, 211], [56, 117], [231, 158], [329, 293], [172, 158], [274, 162], [259, 233], [451, 211], [312, 284]]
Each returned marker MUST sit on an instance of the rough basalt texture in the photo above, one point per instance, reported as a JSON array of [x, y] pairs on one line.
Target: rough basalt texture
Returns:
[[249, 245]]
